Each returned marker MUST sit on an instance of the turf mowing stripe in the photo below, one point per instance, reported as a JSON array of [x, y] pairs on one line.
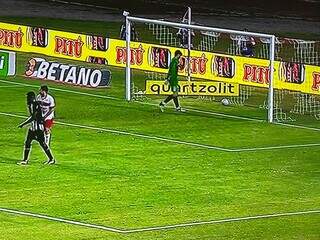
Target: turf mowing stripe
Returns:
[[132, 134], [62, 90], [152, 104], [173, 140], [159, 228], [143, 103], [225, 115]]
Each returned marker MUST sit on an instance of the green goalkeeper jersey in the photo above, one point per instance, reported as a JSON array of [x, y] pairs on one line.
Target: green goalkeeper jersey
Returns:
[[173, 72]]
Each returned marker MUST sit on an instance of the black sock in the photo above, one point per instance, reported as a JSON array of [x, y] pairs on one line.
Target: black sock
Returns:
[[26, 154], [47, 150], [168, 99], [49, 154], [176, 101]]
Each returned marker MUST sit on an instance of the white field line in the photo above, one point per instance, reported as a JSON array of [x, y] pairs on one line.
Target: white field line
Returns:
[[163, 139], [298, 126], [110, 229], [152, 104], [275, 147], [222, 221], [159, 228], [10, 86]]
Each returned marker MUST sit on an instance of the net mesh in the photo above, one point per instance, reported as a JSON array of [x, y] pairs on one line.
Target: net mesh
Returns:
[[292, 53]]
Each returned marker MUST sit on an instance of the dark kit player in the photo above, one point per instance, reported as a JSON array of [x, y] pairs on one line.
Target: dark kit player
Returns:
[[36, 130]]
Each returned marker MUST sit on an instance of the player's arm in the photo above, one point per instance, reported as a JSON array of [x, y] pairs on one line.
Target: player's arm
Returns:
[[28, 120], [171, 70], [51, 109], [174, 69], [31, 118]]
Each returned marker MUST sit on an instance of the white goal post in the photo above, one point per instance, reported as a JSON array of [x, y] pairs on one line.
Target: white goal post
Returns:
[[269, 38]]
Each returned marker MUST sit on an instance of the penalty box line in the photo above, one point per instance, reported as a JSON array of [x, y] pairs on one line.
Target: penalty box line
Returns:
[[163, 139], [157, 228], [190, 109]]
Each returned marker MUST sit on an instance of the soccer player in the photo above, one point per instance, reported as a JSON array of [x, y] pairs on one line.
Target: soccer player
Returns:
[[183, 36], [172, 80], [133, 32], [36, 130], [246, 45], [47, 105]]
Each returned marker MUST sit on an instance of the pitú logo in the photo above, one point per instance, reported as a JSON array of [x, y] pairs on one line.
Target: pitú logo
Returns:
[[10, 38]]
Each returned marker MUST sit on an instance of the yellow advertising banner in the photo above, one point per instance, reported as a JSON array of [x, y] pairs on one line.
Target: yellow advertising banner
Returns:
[[51, 43], [149, 57], [194, 88]]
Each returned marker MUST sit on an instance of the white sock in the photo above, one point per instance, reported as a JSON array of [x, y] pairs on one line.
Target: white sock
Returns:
[[47, 139]]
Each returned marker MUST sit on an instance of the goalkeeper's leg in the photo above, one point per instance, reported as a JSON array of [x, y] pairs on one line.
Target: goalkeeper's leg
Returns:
[[176, 102], [177, 105], [168, 99], [164, 103]]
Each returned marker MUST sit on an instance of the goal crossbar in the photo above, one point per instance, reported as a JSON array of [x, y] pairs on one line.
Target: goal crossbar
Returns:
[[198, 27]]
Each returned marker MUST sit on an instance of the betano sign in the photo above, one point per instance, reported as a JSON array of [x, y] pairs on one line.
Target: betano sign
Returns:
[[204, 66], [81, 76]]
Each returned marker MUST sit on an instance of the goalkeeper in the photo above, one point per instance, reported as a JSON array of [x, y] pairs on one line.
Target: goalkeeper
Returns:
[[172, 80]]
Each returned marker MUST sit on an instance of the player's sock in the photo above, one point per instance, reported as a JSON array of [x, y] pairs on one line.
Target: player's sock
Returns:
[[176, 102], [26, 154], [47, 138], [49, 154], [162, 106], [167, 99], [47, 151]]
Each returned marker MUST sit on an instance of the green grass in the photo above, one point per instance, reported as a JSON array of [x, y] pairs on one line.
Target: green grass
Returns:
[[130, 182]]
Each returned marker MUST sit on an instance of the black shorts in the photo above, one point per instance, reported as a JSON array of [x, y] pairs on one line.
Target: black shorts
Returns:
[[37, 135]]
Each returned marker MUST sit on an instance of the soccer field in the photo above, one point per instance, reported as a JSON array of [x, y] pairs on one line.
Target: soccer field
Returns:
[[127, 171], [124, 167]]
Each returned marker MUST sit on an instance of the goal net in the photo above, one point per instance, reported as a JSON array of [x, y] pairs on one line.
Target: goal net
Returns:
[[222, 64]]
